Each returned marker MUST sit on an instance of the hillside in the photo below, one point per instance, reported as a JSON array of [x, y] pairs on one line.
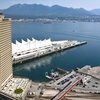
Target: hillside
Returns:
[[42, 10], [96, 11]]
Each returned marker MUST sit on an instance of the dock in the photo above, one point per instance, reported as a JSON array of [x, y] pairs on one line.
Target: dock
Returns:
[[62, 71], [47, 76], [52, 75], [56, 47]]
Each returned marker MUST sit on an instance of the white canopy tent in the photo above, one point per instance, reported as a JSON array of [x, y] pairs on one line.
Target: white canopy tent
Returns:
[[25, 46]]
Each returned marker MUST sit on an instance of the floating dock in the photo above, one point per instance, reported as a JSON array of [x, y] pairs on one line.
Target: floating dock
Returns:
[[47, 76], [56, 47], [52, 75]]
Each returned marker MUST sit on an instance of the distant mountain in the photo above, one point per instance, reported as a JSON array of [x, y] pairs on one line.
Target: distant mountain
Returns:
[[41, 10], [96, 11]]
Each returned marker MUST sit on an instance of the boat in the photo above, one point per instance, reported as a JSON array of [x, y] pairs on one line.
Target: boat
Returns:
[[47, 22], [47, 76], [52, 75]]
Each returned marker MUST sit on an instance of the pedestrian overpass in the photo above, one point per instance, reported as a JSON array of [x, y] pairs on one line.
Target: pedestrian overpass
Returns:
[[66, 89]]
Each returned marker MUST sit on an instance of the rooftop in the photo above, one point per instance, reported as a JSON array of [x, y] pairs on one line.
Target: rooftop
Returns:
[[13, 84]]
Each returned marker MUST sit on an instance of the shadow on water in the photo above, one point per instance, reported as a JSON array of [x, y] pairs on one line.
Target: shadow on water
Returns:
[[35, 69], [38, 62]]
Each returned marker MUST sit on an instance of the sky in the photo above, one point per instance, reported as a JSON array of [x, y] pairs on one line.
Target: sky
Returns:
[[86, 4]]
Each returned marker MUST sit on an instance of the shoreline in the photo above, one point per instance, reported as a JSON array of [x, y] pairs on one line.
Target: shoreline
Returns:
[[79, 92]]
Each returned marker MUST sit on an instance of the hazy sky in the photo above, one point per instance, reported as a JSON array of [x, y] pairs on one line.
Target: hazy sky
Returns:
[[86, 4]]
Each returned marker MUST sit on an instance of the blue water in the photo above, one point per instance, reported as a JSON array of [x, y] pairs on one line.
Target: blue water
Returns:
[[88, 54]]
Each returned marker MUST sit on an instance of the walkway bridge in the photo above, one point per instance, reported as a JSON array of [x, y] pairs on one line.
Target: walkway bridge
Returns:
[[66, 89]]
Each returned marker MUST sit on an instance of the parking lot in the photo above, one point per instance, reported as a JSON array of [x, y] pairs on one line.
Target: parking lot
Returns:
[[91, 86], [62, 81]]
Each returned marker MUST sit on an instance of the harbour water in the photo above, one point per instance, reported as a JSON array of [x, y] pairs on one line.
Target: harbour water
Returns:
[[88, 54]]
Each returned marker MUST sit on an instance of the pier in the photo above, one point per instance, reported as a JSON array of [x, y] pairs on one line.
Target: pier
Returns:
[[56, 47], [62, 71]]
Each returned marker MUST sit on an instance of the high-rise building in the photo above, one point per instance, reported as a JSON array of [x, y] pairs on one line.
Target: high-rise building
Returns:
[[5, 50]]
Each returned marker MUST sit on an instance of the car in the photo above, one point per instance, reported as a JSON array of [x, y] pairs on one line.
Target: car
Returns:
[[72, 76], [58, 83], [88, 81], [96, 83], [93, 85]]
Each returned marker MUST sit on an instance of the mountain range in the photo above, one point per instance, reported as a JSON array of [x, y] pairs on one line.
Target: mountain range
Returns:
[[42, 10], [96, 11]]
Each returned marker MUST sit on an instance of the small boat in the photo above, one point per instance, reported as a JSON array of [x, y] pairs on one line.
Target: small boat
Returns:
[[47, 76], [47, 22], [52, 75]]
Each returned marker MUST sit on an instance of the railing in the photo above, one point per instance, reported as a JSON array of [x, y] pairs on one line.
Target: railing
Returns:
[[65, 90]]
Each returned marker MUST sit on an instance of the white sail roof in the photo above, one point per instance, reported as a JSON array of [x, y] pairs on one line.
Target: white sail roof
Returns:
[[33, 44], [28, 40], [23, 42], [33, 39]]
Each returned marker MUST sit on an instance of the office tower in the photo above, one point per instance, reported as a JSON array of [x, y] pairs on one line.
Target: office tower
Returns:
[[5, 50]]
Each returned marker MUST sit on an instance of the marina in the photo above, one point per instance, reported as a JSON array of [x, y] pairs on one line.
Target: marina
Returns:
[[53, 74], [40, 49]]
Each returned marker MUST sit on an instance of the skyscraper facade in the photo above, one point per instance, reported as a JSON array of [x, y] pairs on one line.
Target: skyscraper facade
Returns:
[[5, 50]]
